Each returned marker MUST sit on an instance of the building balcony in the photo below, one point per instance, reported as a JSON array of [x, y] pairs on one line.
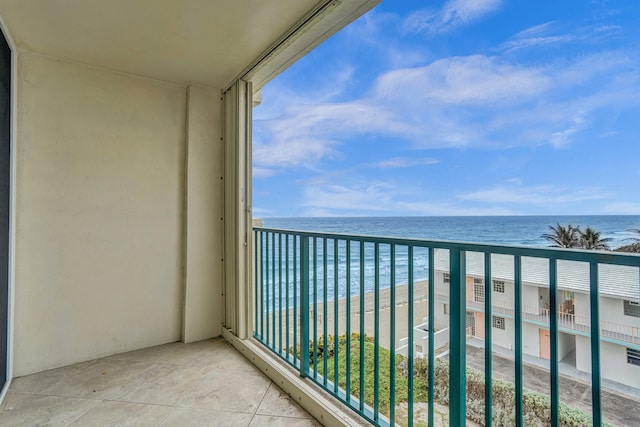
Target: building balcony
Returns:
[[569, 322]]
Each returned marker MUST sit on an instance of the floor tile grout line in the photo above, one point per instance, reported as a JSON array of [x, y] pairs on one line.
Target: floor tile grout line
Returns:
[[290, 401], [166, 405], [194, 387], [197, 408], [87, 411], [56, 395], [164, 420], [271, 384], [98, 402]]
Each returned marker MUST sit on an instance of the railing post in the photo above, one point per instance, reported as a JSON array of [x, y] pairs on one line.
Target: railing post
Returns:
[[488, 345], [517, 319], [457, 330], [304, 306], [432, 326], [553, 338], [596, 397], [411, 346]]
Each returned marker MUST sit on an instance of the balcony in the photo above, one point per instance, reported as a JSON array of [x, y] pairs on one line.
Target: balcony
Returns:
[[613, 331], [204, 383], [372, 293]]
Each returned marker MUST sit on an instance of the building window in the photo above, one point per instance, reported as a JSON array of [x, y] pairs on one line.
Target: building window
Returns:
[[477, 281], [446, 278], [446, 309], [633, 356], [498, 322], [631, 308], [478, 292], [498, 286]]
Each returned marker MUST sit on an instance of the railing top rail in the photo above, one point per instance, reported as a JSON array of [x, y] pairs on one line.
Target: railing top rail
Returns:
[[601, 257]]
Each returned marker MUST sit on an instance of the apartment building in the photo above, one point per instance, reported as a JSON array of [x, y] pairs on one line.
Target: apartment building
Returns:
[[619, 296]]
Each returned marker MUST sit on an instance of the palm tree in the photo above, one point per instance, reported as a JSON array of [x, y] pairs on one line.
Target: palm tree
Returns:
[[563, 237], [590, 239]]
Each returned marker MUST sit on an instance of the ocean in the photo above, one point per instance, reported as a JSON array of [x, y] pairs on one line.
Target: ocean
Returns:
[[508, 230]]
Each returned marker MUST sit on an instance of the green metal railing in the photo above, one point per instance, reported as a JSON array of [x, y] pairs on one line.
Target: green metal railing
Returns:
[[297, 271]]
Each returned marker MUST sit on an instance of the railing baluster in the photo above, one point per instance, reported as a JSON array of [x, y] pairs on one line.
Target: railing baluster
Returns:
[[392, 335], [432, 327], [324, 311], [280, 293], [362, 258], [304, 305], [348, 325], [286, 279], [457, 370], [267, 288], [488, 345], [295, 296], [596, 393], [376, 333], [411, 349], [273, 284], [553, 337], [335, 316], [517, 261], [315, 307], [256, 279]]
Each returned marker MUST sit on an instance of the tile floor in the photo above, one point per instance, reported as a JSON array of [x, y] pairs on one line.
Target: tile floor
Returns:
[[207, 383]]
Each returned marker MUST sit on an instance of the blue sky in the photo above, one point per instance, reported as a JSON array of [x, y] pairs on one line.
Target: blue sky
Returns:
[[458, 107]]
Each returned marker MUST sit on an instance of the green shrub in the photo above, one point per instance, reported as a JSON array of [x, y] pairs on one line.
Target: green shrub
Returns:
[[536, 406]]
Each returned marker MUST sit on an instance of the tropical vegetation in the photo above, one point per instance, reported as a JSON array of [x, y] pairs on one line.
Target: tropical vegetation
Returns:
[[634, 246], [536, 406], [563, 237], [570, 236], [591, 239]]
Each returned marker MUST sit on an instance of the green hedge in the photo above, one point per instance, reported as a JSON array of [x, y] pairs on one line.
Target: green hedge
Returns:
[[537, 407]]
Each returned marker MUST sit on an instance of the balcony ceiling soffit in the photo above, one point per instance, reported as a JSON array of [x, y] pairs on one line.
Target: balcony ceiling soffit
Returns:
[[184, 41]]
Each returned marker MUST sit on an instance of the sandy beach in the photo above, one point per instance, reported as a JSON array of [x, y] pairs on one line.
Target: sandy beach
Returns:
[[401, 314]]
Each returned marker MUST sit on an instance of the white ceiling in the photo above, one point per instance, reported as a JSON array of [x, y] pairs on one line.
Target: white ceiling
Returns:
[[185, 41]]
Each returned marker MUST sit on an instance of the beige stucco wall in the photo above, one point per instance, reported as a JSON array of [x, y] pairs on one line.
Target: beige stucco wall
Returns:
[[99, 213], [203, 314]]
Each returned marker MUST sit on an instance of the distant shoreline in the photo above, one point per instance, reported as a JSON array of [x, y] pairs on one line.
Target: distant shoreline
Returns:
[[523, 230]]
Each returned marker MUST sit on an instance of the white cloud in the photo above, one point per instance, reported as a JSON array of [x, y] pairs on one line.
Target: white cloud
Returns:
[[543, 195], [475, 79], [563, 137], [323, 198], [439, 208], [479, 101], [262, 172], [362, 198], [536, 36], [262, 213], [454, 14], [405, 162], [289, 150], [536, 31], [550, 34], [622, 208], [530, 42]]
